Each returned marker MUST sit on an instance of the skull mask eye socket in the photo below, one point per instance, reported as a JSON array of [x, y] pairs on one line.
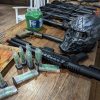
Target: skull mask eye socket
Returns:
[[81, 35], [84, 35]]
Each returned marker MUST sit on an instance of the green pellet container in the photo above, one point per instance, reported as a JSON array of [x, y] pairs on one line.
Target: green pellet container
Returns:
[[34, 19]]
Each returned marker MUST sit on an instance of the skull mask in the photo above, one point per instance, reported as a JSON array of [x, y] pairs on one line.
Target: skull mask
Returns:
[[82, 34]]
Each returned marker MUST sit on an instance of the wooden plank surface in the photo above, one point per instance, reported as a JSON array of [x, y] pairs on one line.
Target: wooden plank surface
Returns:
[[6, 61], [50, 86], [7, 17]]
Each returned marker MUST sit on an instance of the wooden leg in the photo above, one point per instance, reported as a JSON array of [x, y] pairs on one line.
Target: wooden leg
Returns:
[[16, 12], [31, 4]]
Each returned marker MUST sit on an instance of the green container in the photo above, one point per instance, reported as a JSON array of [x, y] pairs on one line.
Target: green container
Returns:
[[34, 19]]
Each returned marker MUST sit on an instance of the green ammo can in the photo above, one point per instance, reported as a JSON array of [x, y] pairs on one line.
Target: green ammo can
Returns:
[[34, 19]]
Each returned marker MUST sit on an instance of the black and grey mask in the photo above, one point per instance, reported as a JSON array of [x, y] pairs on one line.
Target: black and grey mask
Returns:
[[82, 36]]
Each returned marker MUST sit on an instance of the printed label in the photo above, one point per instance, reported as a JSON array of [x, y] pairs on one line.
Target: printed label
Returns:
[[36, 23]]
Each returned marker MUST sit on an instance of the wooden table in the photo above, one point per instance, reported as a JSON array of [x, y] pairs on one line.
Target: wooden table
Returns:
[[50, 86]]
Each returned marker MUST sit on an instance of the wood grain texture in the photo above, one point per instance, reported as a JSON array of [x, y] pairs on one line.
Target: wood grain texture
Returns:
[[5, 64], [50, 86], [7, 17], [95, 87]]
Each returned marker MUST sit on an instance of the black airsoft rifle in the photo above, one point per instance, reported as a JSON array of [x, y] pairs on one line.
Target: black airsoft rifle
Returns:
[[27, 33], [57, 10], [72, 7], [65, 12], [72, 10], [63, 62]]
